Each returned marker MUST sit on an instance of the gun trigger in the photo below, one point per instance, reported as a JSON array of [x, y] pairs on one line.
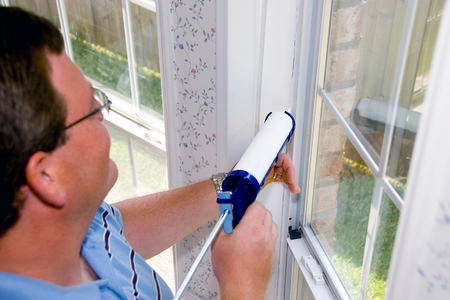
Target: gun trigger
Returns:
[[225, 200]]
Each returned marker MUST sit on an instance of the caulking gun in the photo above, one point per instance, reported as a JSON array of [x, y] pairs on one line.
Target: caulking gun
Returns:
[[242, 185]]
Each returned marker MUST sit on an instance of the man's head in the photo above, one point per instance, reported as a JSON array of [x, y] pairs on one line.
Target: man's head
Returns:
[[32, 117], [41, 92]]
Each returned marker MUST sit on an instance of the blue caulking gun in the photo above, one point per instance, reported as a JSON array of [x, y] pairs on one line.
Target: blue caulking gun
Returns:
[[242, 185]]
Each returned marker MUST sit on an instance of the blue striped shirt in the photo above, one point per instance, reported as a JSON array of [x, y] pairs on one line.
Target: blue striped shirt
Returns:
[[123, 273]]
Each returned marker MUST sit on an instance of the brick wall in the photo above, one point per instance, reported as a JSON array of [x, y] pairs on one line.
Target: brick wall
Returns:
[[340, 82]]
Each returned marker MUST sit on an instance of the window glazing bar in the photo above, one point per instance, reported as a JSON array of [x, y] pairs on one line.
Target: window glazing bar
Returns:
[[62, 12], [350, 133], [130, 54], [133, 166], [126, 110], [400, 68], [137, 133], [372, 152], [372, 229], [392, 193], [150, 5]]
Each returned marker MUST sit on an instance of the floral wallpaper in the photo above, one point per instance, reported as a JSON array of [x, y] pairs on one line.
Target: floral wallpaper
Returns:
[[193, 37], [194, 70]]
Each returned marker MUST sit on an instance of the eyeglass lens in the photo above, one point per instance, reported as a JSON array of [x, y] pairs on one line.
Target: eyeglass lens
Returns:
[[103, 99]]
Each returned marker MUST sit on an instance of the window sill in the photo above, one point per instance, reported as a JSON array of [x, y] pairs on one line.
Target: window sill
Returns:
[[299, 248], [155, 140]]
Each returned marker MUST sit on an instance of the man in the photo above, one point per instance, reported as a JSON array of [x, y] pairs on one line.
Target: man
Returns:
[[58, 239]]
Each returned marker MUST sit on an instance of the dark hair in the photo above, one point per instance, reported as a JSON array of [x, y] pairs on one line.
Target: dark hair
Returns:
[[32, 115]]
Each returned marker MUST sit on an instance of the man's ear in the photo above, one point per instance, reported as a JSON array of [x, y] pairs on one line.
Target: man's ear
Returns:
[[42, 179]]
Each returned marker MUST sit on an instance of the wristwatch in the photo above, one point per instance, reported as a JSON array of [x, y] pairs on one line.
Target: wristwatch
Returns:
[[218, 179]]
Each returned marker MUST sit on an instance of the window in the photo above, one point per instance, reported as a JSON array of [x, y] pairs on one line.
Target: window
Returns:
[[372, 75], [115, 44]]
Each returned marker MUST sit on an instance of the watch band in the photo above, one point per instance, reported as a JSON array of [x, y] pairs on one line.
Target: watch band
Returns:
[[218, 179]]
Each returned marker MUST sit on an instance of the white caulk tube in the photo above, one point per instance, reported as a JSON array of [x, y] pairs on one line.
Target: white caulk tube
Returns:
[[265, 147], [247, 178]]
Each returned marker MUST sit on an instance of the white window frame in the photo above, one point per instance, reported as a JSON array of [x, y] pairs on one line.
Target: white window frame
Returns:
[[126, 118], [312, 59]]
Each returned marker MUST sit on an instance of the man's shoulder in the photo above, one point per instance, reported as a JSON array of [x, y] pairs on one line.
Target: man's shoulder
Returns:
[[106, 214]]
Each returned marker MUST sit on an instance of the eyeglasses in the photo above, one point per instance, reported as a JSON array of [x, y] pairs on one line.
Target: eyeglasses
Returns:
[[104, 109]]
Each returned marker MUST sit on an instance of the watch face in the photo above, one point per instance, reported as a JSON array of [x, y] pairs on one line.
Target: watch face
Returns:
[[218, 179]]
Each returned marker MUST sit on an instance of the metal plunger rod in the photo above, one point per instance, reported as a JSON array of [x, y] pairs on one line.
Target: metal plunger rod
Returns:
[[201, 254]]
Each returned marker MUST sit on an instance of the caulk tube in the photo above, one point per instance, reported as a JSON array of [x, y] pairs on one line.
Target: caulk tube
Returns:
[[247, 178], [265, 147]]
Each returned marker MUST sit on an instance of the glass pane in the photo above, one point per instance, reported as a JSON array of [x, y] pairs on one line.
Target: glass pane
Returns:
[[145, 39], [123, 189], [343, 192], [44, 8], [98, 41], [362, 54], [384, 243], [414, 88], [150, 170]]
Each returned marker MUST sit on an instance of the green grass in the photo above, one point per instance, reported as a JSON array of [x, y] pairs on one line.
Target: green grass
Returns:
[[150, 169], [354, 202], [111, 69]]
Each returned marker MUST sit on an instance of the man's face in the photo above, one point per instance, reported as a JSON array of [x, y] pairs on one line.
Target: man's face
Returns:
[[85, 168]]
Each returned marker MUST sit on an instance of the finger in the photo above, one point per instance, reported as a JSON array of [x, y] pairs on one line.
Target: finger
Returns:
[[274, 231], [256, 212], [278, 174], [287, 166], [268, 220]]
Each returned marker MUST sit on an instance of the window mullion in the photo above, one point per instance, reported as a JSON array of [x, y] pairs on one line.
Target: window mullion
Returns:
[[62, 12], [392, 193], [150, 5], [372, 229], [130, 54], [400, 68], [350, 134], [133, 166]]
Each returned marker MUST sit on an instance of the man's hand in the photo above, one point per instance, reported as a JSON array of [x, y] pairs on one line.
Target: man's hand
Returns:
[[283, 171], [242, 261]]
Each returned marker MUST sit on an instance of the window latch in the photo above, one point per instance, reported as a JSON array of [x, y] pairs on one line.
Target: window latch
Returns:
[[314, 269]]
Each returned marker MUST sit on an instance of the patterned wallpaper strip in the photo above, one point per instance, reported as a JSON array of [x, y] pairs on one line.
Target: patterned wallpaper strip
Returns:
[[193, 37]]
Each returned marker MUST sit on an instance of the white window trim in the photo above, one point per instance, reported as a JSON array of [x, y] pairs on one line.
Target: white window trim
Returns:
[[148, 129], [428, 180]]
